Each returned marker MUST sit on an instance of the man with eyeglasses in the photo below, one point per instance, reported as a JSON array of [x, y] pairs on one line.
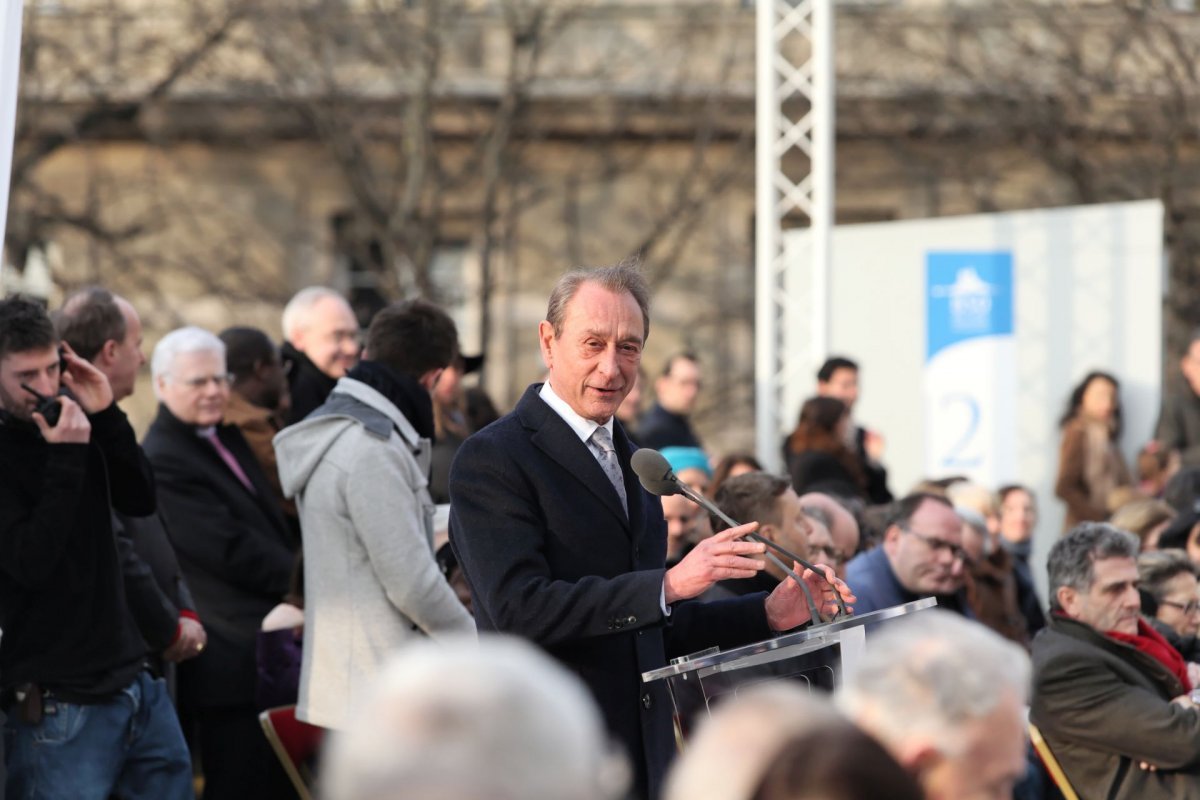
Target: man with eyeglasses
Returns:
[[236, 551], [921, 556], [1111, 697]]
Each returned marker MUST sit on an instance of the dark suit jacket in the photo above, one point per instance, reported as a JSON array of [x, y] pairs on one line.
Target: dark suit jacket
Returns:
[[308, 387], [235, 549], [154, 584], [550, 555]]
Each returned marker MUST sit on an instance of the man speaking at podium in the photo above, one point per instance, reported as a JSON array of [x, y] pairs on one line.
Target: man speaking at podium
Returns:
[[561, 545]]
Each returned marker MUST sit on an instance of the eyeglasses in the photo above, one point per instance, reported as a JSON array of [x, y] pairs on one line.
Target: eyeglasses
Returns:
[[824, 554], [935, 544], [1187, 608], [200, 381]]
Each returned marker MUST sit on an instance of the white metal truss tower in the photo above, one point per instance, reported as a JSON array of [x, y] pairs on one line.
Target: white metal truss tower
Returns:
[[794, 173]]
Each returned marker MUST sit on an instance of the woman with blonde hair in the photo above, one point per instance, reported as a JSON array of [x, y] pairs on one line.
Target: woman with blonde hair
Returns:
[[1146, 518]]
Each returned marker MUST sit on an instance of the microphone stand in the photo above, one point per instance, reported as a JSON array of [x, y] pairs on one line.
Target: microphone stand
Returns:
[[707, 505]]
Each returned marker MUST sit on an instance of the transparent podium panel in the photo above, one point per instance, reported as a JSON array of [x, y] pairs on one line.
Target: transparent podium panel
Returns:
[[816, 658]]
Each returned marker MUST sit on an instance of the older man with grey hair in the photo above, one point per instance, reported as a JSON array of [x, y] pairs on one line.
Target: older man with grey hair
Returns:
[[465, 720], [1110, 696], [946, 697], [234, 547], [321, 344]]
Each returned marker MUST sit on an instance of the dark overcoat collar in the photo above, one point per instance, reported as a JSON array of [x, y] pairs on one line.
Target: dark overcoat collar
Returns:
[[551, 434]]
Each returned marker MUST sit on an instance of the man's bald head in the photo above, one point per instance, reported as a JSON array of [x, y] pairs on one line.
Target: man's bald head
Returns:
[[843, 527]]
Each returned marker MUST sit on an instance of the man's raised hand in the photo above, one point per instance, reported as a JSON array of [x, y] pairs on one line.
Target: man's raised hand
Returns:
[[87, 384], [717, 558], [73, 426]]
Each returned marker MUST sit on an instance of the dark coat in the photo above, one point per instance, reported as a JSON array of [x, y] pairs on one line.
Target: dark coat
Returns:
[[659, 428], [235, 549], [551, 556], [308, 387], [816, 470], [66, 622], [154, 583], [1103, 707], [875, 473]]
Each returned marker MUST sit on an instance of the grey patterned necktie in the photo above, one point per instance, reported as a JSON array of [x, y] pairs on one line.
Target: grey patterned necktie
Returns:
[[606, 454]]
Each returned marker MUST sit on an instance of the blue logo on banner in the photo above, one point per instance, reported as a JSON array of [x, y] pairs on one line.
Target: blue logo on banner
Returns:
[[969, 295]]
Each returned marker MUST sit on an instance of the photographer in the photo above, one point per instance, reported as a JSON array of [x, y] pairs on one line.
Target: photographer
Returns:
[[71, 659]]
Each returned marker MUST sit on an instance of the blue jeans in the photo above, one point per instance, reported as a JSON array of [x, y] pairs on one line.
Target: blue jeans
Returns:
[[130, 747]]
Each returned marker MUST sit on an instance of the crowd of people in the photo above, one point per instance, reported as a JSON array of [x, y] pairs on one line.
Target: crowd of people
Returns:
[[479, 594]]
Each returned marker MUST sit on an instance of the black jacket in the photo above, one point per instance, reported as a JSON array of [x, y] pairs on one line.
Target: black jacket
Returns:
[[154, 583], [551, 556], [308, 386], [659, 428], [63, 607], [234, 547]]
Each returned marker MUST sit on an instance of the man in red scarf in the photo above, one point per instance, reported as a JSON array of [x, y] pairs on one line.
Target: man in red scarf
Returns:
[[1110, 695]]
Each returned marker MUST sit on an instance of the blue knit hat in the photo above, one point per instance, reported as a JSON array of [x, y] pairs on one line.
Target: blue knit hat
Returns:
[[681, 458]]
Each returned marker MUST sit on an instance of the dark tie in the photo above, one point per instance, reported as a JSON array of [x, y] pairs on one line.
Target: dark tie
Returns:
[[228, 458], [602, 445]]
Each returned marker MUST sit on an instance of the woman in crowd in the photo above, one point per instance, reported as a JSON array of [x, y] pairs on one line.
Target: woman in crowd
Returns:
[[731, 466], [816, 451], [1017, 521], [1169, 601], [1090, 466], [1146, 518]]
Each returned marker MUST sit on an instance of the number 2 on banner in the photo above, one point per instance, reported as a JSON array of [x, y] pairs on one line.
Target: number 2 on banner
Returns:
[[956, 456]]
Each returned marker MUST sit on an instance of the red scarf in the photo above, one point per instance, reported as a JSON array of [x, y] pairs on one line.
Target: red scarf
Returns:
[[1151, 642]]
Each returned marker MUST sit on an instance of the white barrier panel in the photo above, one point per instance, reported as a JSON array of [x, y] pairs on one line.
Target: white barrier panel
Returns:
[[971, 331], [10, 69]]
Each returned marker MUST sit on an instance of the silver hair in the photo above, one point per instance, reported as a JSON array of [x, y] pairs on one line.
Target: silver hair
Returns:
[[929, 676], [179, 341], [623, 277], [298, 308], [489, 720], [1072, 559]]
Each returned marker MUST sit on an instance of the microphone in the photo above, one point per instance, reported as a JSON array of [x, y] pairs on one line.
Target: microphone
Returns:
[[656, 476]]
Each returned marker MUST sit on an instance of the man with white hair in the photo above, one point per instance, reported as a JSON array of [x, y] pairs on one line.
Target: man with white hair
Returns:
[[946, 696], [235, 549], [465, 720], [1110, 695], [320, 346]]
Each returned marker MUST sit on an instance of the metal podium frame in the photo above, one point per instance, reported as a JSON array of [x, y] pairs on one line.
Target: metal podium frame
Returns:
[[689, 673]]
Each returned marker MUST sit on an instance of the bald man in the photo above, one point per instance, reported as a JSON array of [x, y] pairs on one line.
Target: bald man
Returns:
[[842, 526]]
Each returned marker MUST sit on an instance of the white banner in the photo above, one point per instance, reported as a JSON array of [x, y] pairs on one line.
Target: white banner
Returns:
[[970, 366], [10, 70]]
